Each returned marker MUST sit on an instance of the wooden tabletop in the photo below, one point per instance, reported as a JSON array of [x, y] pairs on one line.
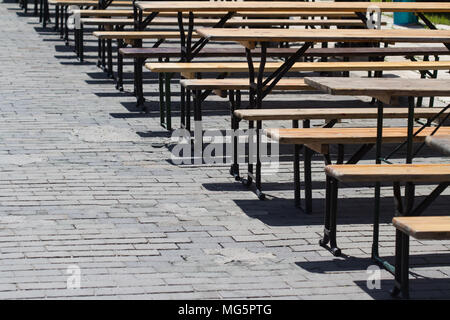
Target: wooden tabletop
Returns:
[[249, 37], [91, 3], [234, 22], [374, 87], [118, 12], [161, 6], [440, 143]]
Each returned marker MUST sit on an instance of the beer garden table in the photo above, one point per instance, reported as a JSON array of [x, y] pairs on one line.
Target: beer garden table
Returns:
[[263, 86]]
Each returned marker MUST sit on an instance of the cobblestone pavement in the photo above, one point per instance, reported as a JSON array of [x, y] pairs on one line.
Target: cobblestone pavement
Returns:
[[82, 183]]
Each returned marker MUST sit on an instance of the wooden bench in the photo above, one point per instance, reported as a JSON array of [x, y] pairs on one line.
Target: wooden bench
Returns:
[[125, 37], [346, 53], [232, 22], [220, 86], [420, 173], [252, 14], [409, 174], [319, 140], [189, 69], [287, 52], [330, 115], [421, 228]]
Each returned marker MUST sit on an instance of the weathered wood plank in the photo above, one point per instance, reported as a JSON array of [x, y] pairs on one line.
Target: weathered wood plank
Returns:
[[425, 228]]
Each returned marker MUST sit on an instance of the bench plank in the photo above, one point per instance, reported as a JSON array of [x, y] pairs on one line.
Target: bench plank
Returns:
[[332, 113], [232, 22], [347, 135], [287, 52], [190, 67], [433, 173], [251, 36], [380, 86], [269, 6], [134, 35], [241, 84], [129, 13], [424, 228]]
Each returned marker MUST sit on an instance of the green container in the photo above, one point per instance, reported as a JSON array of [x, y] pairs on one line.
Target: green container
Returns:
[[403, 18]]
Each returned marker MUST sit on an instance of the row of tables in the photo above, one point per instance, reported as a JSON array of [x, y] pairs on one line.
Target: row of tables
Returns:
[[383, 90], [260, 86]]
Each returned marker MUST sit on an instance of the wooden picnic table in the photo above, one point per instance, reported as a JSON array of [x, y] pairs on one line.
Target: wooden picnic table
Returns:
[[162, 6], [249, 39], [261, 85], [439, 143], [230, 8], [388, 88]]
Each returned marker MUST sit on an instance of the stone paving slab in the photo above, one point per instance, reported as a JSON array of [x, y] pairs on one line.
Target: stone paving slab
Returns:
[[81, 185]]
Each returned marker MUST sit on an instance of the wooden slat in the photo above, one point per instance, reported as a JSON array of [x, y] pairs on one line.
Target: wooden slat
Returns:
[[424, 228], [287, 52], [326, 35], [290, 6], [241, 84], [347, 135], [433, 173], [299, 66], [133, 35], [332, 113], [107, 21], [91, 3], [381, 86], [231, 22], [129, 13]]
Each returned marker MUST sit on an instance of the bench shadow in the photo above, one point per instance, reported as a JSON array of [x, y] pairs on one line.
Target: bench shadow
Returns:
[[420, 289], [354, 210]]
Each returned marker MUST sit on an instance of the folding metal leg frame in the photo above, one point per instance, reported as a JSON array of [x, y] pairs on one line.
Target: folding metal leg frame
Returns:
[[404, 209], [258, 90], [188, 52]]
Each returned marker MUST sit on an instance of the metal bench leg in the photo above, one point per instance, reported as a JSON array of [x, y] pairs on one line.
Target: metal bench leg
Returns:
[[161, 96], [61, 22], [307, 157], [330, 217], [103, 61], [56, 18], [401, 285], [41, 10], [168, 77], [81, 43], [259, 193], [188, 110], [198, 130], [66, 27], [138, 85], [119, 83], [110, 71], [248, 181], [234, 169], [46, 14], [297, 185], [99, 49]]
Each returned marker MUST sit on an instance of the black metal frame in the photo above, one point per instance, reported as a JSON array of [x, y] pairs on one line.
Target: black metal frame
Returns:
[[258, 90]]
